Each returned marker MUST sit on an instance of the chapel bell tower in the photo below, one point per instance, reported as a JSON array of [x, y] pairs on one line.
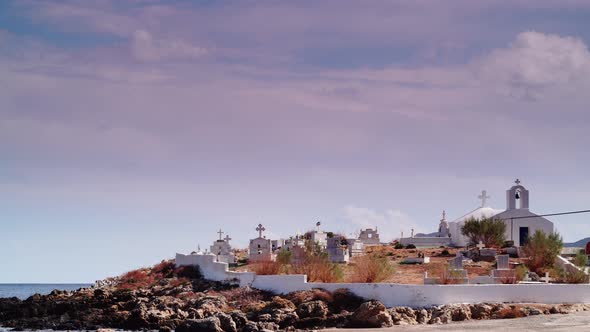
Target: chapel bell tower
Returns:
[[517, 197]]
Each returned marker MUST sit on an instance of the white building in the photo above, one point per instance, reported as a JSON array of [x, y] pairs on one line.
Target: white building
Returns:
[[520, 221]]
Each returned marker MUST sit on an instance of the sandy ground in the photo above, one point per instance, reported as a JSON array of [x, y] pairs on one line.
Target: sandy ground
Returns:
[[562, 323]]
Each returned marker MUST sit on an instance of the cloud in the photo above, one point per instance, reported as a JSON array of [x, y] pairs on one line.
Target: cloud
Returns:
[[146, 48], [389, 223], [536, 62]]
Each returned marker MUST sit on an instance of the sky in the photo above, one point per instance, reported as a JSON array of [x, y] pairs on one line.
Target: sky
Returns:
[[132, 130]]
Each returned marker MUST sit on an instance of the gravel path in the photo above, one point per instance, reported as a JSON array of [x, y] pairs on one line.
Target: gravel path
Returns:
[[562, 323]]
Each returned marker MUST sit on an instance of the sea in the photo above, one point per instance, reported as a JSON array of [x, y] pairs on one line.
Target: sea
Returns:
[[23, 291]]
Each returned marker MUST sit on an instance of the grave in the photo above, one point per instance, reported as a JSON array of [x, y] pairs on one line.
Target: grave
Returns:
[[369, 237], [260, 248], [222, 249], [503, 274], [338, 249], [456, 269]]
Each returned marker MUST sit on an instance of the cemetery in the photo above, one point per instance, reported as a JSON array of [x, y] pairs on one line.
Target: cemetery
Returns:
[[521, 251]]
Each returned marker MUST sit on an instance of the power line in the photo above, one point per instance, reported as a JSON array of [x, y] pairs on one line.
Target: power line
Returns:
[[550, 214]]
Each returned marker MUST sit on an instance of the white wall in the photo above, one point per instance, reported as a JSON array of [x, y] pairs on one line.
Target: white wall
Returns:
[[399, 294]]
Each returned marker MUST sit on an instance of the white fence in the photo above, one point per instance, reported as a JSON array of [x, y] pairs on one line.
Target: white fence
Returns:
[[398, 294]]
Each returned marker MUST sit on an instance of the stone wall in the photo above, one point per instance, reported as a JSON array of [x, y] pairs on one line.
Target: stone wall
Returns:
[[398, 294]]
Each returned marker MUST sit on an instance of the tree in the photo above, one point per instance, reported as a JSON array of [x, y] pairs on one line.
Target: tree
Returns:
[[542, 250], [581, 260], [489, 231]]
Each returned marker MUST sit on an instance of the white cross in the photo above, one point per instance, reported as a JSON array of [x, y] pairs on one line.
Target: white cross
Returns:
[[546, 278], [517, 182], [260, 229], [220, 233], [444, 217], [227, 238], [318, 224], [483, 197], [480, 245], [412, 235]]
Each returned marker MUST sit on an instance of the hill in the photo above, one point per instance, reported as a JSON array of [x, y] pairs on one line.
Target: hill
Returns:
[[581, 243]]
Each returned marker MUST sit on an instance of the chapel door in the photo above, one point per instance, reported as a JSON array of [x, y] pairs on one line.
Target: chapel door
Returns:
[[523, 236]]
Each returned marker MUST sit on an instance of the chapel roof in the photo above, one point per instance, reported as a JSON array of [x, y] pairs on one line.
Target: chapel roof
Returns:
[[479, 213]]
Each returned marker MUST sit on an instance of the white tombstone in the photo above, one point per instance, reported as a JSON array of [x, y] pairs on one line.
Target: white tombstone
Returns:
[[338, 249]]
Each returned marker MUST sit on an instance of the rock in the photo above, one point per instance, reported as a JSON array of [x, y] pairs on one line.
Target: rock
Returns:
[[268, 326], [211, 304], [251, 327], [226, 322], [313, 309], [422, 316], [210, 324], [460, 313], [239, 318], [371, 314], [441, 315], [534, 311], [403, 316], [481, 311]]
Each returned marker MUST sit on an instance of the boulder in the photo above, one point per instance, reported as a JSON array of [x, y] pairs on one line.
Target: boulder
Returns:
[[209, 324], [371, 314], [226, 322], [481, 311], [403, 316], [313, 309]]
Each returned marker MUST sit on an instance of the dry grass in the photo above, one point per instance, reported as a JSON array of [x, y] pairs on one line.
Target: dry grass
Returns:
[[318, 269], [267, 268], [311, 295], [371, 268]]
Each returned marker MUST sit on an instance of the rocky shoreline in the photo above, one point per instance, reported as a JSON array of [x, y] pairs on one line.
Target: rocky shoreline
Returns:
[[186, 302]]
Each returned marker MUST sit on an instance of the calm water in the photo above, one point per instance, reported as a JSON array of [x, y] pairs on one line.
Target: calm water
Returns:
[[23, 291]]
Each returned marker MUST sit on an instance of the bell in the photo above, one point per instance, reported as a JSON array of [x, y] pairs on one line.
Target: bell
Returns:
[[517, 196]]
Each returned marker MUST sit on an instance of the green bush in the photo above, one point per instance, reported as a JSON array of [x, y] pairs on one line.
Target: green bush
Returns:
[[410, 246], [398, 246], [581, 260], [487, 230], [542, 250]]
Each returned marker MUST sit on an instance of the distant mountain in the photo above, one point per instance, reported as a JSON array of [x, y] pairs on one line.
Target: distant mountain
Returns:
[[581, 243]]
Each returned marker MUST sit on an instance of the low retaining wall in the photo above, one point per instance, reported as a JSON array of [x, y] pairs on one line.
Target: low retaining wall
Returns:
[[398, 294]]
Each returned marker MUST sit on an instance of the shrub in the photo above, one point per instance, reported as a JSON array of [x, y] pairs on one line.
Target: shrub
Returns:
[[445, 253], [318, 268], [165, 268], [189, 272], [542, 250], [398, 246], [284, 257], [136, 279], [267, 268], [371, 268], [487, 230], [410, 246], [581, 260], [299, 297], [447, 276], [241, 297]]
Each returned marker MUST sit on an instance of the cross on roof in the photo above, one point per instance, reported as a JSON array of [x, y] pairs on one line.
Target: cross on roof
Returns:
[[484, 196], [517, 182], [480, 245], [227, 238], [444, 216], [260, 229], [220, 233]]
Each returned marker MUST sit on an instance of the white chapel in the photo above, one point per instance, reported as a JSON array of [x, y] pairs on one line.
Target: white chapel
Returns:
[[520, 221]]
